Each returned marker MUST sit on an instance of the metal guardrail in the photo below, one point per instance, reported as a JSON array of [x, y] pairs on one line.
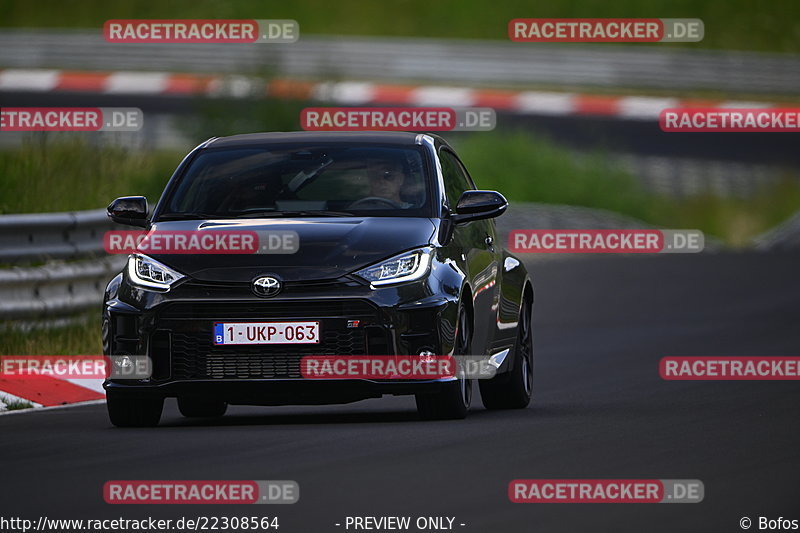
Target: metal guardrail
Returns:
[[783, 237], [46, 236], [476, 62], [57, 288]]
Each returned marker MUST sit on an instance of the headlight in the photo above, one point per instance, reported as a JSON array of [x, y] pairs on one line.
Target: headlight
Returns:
[[148, 272], [409, 266]]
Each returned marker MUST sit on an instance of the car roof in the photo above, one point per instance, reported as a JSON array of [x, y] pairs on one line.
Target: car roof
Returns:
[[292, 137]]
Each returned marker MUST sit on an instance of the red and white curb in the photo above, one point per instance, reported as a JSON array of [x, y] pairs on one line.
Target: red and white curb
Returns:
[[353, 93], [46, 391]]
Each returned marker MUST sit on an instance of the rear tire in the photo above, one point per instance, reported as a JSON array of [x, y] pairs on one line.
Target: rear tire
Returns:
[[201, 408], [452, 401], [514, 389], [134, 412]]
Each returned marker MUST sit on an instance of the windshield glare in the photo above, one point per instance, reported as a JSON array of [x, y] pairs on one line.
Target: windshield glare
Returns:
[[332, 180]]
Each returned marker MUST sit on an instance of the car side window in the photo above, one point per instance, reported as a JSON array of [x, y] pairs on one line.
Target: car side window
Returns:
[[456, 179]]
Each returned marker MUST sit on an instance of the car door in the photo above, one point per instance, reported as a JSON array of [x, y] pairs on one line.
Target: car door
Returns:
[[476, 242]]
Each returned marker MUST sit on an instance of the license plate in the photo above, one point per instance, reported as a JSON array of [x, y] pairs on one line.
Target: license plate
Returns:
[[266, 333]]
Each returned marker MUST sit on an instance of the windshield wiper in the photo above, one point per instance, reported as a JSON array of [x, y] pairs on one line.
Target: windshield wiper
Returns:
[[288, 214], [190, 216]]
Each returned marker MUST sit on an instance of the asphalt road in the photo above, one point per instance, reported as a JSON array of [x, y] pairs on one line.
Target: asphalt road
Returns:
[[601, 411]]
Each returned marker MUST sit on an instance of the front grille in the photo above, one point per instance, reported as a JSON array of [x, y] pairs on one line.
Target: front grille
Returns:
[[269, 309], [293, 288], [194, 355]]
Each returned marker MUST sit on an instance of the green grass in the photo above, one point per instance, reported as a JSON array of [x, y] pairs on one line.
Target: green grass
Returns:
[[729, 24], [736, 221], [534, 169], [221, 117], [67, 173], [530, 168], [81, 338], [526, 167], [72, 174], [16, 405]]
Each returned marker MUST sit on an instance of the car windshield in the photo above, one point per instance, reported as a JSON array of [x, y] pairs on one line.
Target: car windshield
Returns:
[[332, 180]]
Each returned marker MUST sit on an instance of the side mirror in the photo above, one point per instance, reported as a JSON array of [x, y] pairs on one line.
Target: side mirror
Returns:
[[478, 205], [130, 210]]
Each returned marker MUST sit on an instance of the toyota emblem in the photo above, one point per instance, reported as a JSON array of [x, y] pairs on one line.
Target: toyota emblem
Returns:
[[266, 286]]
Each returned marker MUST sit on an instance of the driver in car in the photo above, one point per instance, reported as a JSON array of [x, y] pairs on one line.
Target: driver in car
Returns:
[[386, 180]]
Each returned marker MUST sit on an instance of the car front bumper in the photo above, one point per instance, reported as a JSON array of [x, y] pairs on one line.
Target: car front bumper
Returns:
[[175, 331]]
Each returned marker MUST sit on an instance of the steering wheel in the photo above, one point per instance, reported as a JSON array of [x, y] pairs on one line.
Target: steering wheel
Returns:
[[374, 200]]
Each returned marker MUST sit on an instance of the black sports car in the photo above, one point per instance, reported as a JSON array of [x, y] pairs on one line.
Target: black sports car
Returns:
[[396, 254]]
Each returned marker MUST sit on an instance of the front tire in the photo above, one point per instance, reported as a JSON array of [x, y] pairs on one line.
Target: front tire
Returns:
[[514, 389], [453, 400], [134, 412]]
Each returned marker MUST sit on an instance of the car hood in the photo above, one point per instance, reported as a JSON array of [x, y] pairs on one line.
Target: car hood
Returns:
[[328, 247]]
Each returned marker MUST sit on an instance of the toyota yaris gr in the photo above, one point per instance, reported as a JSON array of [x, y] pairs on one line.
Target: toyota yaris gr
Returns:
[[393, 252]]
